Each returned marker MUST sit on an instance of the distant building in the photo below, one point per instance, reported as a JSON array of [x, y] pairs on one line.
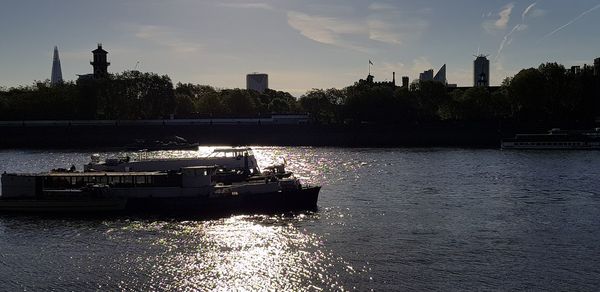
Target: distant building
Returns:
[[441, 75], [100, 64], [481, 71], [370, 81], [405, 81], [426, 76], [597, 67], [575, 70], [257, 81], [56, 76]]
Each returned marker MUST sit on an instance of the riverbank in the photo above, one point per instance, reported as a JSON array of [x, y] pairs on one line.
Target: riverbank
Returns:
[[84, 136]]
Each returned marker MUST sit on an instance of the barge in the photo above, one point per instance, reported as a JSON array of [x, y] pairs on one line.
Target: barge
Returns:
[[555, 139], [193, 190]]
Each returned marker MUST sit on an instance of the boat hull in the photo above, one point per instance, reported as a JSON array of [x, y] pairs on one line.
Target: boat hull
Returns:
[[288, 200], [62, 205]]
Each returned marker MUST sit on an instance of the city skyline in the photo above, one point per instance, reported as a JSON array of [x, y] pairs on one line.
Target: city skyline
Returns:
[[301, 45]]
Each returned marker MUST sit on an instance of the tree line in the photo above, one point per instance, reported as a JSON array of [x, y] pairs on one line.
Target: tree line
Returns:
[[547, 95]]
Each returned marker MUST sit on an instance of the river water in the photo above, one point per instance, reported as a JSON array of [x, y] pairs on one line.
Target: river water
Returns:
[[388, 219]]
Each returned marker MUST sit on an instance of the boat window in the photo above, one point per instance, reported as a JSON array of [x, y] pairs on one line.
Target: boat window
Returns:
[[128, 179], [140, 180]]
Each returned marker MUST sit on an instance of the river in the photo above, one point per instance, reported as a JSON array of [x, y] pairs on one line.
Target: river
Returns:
[[388, 219]]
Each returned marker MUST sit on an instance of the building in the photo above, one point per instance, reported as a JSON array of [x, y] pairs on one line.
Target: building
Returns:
[[370, 81], [597, 67], [100, 64], [575, 70], [481, 71], [405, 81], [257, 81], [441, 75], [56, 76], [426, 75]]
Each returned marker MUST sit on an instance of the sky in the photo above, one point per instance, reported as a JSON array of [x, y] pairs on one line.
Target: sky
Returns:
[[301, 44]]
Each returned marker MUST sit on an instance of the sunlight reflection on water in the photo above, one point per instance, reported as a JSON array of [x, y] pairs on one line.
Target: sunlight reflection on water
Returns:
[[236, 253]]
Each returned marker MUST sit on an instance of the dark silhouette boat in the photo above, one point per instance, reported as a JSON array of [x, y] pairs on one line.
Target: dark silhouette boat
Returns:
[[194, 190]]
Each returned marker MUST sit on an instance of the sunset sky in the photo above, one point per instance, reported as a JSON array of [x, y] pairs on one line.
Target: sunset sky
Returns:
[[300, 44]]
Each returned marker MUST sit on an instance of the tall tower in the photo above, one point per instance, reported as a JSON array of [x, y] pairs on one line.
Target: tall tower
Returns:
[[56, 76], [481, 71], [100, 64]]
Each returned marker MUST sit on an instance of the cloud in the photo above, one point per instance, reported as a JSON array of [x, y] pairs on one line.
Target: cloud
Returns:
[[376, 6], [384, 23], [504, 14], [503, 17], [381, 31], [163, 36], [391, 25], [243, 5], [326, 30], [571, 21], [508, 38], [538, 12]]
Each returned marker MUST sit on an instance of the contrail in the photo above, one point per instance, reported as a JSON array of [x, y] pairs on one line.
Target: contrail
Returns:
[[507, 38], [572, 21], [527, 11]]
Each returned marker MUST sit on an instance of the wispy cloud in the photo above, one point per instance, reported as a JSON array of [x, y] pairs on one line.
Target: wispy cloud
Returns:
[[384, 23], [326, 30], [508, 38], [164, 36], [504, 14], [378, 6], [390, 24], [580, 16], [503, 17], [245, 5]]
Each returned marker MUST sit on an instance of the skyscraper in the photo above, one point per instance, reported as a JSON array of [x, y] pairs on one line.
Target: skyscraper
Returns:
[[441, 75], [481, 71], [56, 76]]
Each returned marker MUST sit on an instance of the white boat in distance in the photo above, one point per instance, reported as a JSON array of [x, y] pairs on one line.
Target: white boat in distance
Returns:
[[228, 158], [555, 139]]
